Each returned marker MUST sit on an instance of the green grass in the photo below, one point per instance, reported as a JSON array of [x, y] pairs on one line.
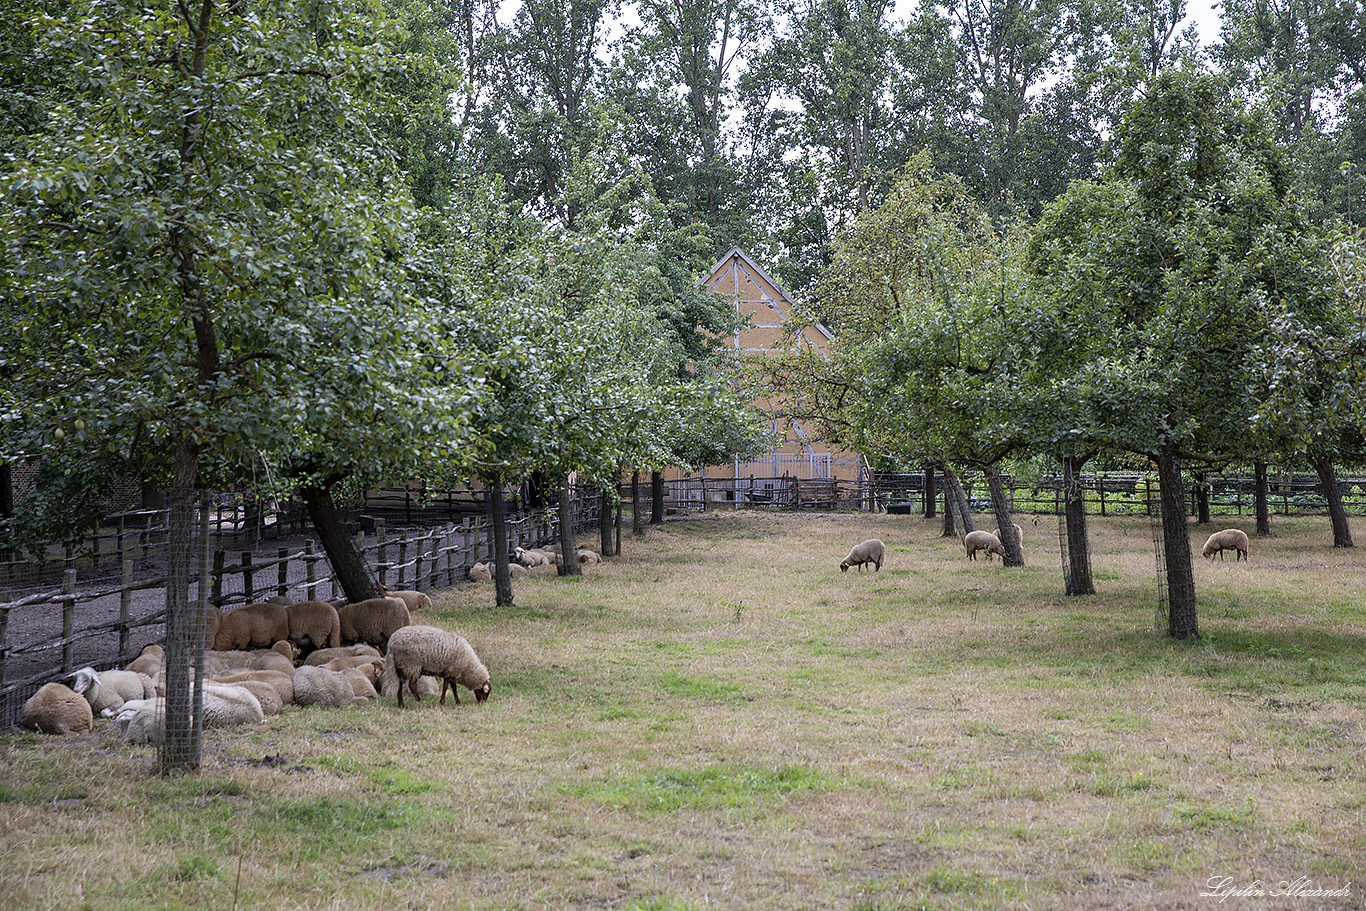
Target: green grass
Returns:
[[720, 718]]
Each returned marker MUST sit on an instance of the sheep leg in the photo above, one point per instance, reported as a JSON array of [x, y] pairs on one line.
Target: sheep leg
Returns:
[[444, 684]]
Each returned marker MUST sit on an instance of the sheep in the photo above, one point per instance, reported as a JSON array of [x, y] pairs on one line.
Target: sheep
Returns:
[[282, 683], [314, 624], [267, 695], [1228, 539], [252, 626], [480, 573], [279, 657], [1019, 534], [871, 551], [518, 571], [57, 709], [418, 650], [319, 686], [228, 704], [388, 684], [361, 685], [373, 621], [142, 720], [369, 665], [324, 655], [148, 661], [107, 692], [414, 599], [974, 541], [588, 556], [532, 557]]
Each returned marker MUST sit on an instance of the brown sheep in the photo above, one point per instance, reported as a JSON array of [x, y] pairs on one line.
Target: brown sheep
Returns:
[[314, 625], [414, 599], [252, 626], [373, 621]]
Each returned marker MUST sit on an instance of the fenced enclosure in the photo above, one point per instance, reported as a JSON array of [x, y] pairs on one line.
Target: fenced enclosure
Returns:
[[109, 596]]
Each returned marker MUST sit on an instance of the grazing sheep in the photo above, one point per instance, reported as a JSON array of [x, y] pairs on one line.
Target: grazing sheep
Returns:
[[974, 541], [149, 661], [414, 599], [418, 650], [319, 686], [57, 709], [282, 683], [107, 692], [324, 655], [871, 551], [531, 557], [373, 621], [252, 626], [314, 625], [480, 573], [1228, 539], [388, 684]]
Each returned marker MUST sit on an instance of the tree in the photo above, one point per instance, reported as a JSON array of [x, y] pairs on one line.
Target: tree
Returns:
[[201, 257]]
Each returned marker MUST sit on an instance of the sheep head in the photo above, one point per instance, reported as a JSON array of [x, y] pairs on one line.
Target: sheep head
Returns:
[[844, 566], [481, 692]]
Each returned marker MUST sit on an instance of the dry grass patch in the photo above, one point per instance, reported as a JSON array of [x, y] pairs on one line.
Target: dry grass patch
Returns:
[[721, 718]]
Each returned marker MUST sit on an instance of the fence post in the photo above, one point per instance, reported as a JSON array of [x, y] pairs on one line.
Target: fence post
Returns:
[[382, 550], [402, 559], [68, 619], [468, 531], [282, 583], [4, 643], [216, 593], [310, 577], [125, 602], [248, 578]]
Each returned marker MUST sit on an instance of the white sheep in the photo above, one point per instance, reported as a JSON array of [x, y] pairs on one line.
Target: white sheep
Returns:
[[480, 572], [1228, 539], [57, 709], [588, 556], [1019, 534], [142, 720], [319, 686], [871, 551], [974, 541], [418, 650], [227, 704], [414, 599], [108, 691], [530, 557], [282, 683]]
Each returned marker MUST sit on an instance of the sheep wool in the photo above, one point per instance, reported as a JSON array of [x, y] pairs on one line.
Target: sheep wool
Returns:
[[252, 626], [282, 683], [1229, 539], [870, 551], [360, 650], [314, 625], [974, 541], [414, 599], [418, 650], [373, 621], [142, 720], [226, 704], [531, 558], [319, 686], [480, 573], [108, 691], [148, 661], [57, 709]]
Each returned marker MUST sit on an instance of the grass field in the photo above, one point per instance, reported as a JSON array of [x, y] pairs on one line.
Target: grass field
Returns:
[[721, 719]]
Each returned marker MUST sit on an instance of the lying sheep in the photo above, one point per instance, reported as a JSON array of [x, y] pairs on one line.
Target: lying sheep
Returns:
[[532, 557], [227, 704], [974, 541], [252, 626], [369, 665], [267, 695], [148, 661], [107, 692], [362, 686], [361, 650], [373, 621], [1228, 539], [479, 572], [57, 709], [319, 686], [414, 599], [281, 656], [588, 556], [518, 571], [142, 720], [418, 650], [871, 551], [281, 683]]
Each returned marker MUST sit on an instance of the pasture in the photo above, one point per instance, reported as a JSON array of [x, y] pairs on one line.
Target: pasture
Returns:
[[721, 719]]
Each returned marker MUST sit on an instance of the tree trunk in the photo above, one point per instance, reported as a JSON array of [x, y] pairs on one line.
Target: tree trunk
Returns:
[[656, 498], [948, 531], [1005, 526], [502, 577], [569, 561], [180, 748], [930, 493], [6, 491], [605, 523], [1182, 620], [341, 551], [637, 517], [617, 524], [1337, 512], [960, 499], [1201, 498], [1261, 499], [1079, 580]]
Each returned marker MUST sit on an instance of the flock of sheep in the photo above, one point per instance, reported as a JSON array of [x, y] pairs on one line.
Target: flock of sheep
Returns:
[[268, 655]]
